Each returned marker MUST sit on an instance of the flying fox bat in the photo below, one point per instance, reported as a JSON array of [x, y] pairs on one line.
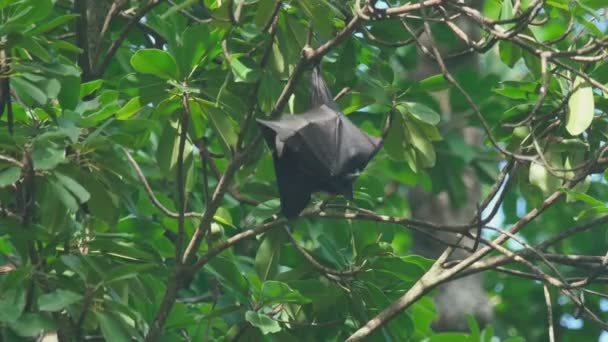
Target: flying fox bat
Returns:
[[318, 150]]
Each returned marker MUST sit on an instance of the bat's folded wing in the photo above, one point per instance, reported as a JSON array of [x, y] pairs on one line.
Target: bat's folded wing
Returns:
[[356, 148], [295, 187], [318, 141], [277, 132]]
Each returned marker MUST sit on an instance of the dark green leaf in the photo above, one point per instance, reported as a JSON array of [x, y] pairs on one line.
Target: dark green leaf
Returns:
[[111, 327], [31, 325], [74, 187], [57, 300], [46, 157], [9, 176], [277, 292], [12, 303]]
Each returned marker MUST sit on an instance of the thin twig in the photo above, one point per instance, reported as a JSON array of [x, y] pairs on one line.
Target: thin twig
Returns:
[[150, 192]]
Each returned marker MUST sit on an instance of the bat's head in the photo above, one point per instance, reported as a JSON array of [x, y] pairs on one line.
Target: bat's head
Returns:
[[342, 184]]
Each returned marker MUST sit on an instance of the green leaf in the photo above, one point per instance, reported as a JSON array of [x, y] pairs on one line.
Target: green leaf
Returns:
[[9, 176], [263, 211], [46, 26], [268, 254], [102, 205], [450, 337], [321, 15], [277, 292], [222, 215], [155, 62], [421, 143], [89, 87], [33, 46], [168, 149], [129, 109], [57, 300], [423, 113], [63, 195], [69, 94], [41, 9], [506, 12], [433, 83], [395, 143], [242, 72], [581, 108], [509, 53], [540, 176], [75, 264], [31, 325], [46, 157], [12, 303], [474, 327], [266, 324], [585, 198], [28, 92], [126, 272], [558, 4], [74, 187], [229, 274], [111, 327], [222, 125]]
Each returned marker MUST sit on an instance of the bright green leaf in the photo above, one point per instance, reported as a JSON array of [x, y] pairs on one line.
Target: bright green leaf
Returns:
[[581, 108], [266, 324], [423, 113], [242, 72], [155, 62], [89, 87], [129, 109]]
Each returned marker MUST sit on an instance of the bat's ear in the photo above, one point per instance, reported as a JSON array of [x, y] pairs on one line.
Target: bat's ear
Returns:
[[320, 95]]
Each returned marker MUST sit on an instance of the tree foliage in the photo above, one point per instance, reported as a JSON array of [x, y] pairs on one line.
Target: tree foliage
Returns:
[[137, 199]]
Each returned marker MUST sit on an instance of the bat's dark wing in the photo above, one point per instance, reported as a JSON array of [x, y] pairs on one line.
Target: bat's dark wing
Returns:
[[356, 148], [276, 133], [318, 141], [298, 168], [295, 185]]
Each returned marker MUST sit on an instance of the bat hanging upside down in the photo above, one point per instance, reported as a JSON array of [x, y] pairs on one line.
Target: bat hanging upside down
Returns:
[[318, 150]]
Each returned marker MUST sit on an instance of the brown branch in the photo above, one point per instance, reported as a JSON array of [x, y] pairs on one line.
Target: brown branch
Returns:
[[330, 273], [11, 160], [82, 39], [179, 175], [100, 69], [112, 12]]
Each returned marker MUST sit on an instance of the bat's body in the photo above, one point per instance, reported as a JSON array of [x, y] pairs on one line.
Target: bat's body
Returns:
[[318, 150]]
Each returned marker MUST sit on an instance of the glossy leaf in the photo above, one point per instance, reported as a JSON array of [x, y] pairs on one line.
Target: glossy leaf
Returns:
[[581, 108], [155, 62], [266, 324]]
